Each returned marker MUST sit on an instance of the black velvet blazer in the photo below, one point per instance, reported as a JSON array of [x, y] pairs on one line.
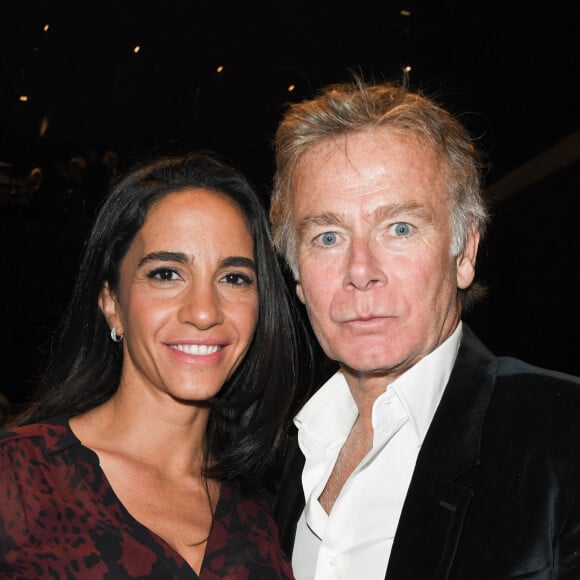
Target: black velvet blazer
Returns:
[[495, 494]]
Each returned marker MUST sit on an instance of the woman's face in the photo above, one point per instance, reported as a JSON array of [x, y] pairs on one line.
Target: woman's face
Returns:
[[187, 300]]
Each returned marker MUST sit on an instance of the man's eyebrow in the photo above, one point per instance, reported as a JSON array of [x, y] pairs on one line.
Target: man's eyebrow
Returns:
[[321, 219], [395, 210], [182, 258], [383, 212]]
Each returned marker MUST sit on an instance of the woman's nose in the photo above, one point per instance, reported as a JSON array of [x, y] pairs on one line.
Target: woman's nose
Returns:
[[201, 306]]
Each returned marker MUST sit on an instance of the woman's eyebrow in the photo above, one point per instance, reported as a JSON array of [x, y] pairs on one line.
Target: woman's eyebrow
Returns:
[[182, 258], [238, 262], [164, 256]]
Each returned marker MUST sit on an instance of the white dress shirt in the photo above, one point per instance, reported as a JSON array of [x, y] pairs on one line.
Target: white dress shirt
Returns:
[[355, 540]]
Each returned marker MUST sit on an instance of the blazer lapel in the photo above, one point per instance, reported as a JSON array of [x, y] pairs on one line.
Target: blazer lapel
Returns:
[[432, 518]]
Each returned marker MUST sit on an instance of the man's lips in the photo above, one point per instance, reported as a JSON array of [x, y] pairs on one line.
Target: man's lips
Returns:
[[365, 321]]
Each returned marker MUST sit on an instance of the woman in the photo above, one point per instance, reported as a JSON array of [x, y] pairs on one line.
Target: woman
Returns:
[[162, 409]]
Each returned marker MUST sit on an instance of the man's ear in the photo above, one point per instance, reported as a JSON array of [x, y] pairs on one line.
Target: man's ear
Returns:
[[110, 308], [467, 258], [300, 292]]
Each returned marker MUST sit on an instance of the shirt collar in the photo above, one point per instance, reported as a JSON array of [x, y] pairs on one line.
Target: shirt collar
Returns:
[[420, 388], [330, 413]]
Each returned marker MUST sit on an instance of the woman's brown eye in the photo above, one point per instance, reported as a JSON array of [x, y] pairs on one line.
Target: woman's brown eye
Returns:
[[163, 274]]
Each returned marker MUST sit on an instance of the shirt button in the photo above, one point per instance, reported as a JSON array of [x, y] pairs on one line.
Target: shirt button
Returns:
[[335, 561]]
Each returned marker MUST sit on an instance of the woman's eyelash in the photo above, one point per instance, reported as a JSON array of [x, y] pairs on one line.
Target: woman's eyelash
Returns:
[[163, 274], [237, 277], [170, 274]]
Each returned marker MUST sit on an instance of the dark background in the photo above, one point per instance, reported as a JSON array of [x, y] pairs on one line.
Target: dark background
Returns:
[[509, 69]]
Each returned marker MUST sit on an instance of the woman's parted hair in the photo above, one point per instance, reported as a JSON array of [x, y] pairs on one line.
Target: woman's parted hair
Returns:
[[349, 107], [249, 412]]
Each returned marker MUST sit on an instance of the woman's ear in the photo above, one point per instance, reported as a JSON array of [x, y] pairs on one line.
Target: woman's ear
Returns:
[[110, 308]]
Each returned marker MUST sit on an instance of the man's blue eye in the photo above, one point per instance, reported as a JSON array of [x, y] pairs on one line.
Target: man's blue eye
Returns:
[[328, 239], [402, 229]]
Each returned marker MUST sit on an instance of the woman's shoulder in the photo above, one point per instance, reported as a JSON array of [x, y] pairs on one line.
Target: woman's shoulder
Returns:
[[48, 434]]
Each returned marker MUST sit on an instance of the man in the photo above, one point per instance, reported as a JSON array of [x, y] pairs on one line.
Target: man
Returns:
[[425, 456]]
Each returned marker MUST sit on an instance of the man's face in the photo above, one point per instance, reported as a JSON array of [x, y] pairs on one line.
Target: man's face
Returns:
[[374, 252]]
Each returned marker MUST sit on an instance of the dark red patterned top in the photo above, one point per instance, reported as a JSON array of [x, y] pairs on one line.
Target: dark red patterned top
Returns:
[[59, 518]]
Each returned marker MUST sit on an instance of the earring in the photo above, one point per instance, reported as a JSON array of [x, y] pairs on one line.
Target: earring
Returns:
[[116, 337]]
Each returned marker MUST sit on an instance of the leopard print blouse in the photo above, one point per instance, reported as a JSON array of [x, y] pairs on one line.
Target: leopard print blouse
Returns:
[[59, 518]]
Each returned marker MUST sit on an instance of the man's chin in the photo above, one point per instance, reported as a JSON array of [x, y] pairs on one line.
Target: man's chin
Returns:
[[375, 368]]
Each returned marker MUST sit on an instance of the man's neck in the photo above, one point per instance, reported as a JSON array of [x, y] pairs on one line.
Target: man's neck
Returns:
[[357, 445]]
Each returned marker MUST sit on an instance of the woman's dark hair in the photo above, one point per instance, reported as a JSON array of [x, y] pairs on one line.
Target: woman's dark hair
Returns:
[[251, 410]]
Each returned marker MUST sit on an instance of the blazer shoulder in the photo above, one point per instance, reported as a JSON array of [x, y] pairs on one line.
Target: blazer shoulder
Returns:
[[516, 370], [545, 403], [475, 355], [537, 402]]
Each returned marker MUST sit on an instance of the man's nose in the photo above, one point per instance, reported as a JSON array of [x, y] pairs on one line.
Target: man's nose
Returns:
[[364, 270]]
